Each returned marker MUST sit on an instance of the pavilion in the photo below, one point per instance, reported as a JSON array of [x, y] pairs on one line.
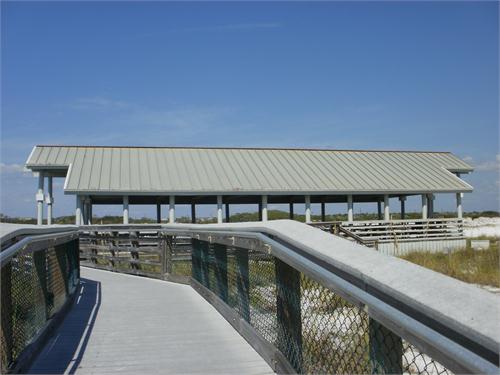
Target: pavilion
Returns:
[[223, 176]]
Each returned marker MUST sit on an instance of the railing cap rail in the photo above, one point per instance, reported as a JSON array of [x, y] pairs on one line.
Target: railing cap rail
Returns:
[[9, 232]]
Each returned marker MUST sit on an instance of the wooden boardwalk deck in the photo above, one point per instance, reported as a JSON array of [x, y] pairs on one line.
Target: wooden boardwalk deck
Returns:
[[129, 324]]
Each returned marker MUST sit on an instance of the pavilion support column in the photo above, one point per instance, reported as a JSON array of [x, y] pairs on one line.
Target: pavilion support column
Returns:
[[39, 199], [50, 200], [259, 209], [402, 199], [228, 215], [460, 213], [88, 211], [193, 212], [171, 209], [264, 208], [158, 212], [323, 211], [125, 209], [308, 208], [291, 211], [387, 209], [430, 205], [424, 206], [78, 212], [219, 209], [350, 213], [379, 209]]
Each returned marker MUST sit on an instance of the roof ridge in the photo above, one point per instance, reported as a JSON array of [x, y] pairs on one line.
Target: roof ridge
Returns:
[[248, 148]]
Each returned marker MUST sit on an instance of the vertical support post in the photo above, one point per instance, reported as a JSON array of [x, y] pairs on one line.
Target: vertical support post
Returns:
[[39, 199], [350, 213], [6, 312], [402, 199], [193, 212], [196, 259], [424, 206], [78, 211], [90, 211], [308, 208], [386, 350], [49, 200], [379, 209], [228, 216], [288, 313], [291, 211], [158, 212], [40, 263], [430, 205], [171, 209], [220, 252], [243, 283], [205, 264], [260, 210], [219, 209], [264, 208], [459, 206], [387, 209], [125, 209], [323, 212]]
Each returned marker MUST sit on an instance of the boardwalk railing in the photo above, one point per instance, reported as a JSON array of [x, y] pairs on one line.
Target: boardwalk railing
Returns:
[[310, 302], [39, 277], [398, 230]]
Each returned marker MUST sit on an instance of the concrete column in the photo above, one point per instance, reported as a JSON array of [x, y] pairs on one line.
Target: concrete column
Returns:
[[219, 209], [308, 208], [193, 212], [424, 206], [460, 213], [39, 199], [379, 209], [387, 210], [171, 209], [264, 208], [350, 213], [50, 200], [125, 209], [88, 211], [78, 212], [158, 212], [430, 205], [402, 199]]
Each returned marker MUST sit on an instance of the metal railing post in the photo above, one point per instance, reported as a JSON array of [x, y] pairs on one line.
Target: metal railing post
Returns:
[[220, 252], [169, 243], [288, 313], [6, 318], [205, 264], [386, 350], [40, 262], [196, 259], [243, 283]]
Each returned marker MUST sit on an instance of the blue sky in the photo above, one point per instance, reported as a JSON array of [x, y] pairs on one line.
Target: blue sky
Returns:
[[388, 75]]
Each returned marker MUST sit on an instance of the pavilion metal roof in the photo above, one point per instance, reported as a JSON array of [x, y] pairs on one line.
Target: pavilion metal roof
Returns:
[[208, 171]]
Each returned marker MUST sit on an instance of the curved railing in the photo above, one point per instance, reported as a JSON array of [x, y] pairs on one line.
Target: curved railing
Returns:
[[310, 302], [39, 276]]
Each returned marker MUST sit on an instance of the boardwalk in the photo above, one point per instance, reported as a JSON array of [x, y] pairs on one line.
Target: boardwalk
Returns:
[[129, 324]]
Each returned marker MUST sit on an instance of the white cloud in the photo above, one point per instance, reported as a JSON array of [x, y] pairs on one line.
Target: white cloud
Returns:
[[12, 168], [489, 165], [98, 103]]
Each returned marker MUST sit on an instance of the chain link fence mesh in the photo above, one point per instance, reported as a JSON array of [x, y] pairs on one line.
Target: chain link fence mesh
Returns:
[[34, 288], [316, 329]]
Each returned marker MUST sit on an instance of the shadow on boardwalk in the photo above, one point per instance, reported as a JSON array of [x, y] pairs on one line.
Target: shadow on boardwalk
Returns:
[[64, 351]]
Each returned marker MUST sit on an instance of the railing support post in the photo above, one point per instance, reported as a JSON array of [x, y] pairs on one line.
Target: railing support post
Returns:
[[243, 283], [289, 314], [220, 252], [6, 317], [40, 262], [205, 263], [386, 350], [196, 259]]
